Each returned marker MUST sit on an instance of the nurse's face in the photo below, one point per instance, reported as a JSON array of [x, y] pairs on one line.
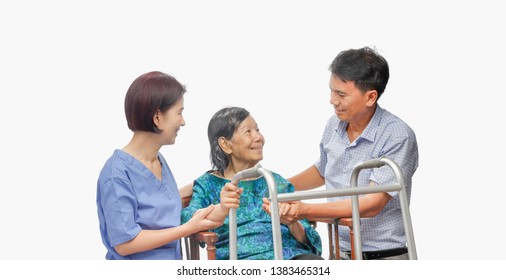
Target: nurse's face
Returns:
[[171, 121]]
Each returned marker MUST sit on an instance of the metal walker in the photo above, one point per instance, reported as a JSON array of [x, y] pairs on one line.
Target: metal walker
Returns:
[[353, 191]]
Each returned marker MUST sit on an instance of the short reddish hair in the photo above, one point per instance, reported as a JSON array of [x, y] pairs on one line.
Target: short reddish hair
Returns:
[[147, 94]]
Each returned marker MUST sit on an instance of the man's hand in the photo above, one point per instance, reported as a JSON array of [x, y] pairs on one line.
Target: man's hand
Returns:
[[289, 212]]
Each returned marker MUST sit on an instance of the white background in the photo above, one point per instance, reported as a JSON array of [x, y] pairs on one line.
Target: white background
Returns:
[[65, 68]]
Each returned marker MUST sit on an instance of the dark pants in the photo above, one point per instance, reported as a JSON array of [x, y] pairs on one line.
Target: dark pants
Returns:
[[307, 257]]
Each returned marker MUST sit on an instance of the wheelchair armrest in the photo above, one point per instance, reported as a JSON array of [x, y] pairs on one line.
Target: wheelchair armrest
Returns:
[[207, 238]]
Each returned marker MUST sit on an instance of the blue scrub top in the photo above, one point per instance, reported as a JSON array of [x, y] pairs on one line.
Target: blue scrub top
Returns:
[[131, 198]]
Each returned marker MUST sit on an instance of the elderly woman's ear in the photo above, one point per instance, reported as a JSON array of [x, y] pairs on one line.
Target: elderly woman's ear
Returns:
[[223, 142]]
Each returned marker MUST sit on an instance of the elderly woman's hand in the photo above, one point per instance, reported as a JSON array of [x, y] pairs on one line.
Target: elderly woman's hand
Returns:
[[230, 196]]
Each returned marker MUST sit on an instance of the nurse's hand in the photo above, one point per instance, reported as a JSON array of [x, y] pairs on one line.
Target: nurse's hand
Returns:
[[200, 221]]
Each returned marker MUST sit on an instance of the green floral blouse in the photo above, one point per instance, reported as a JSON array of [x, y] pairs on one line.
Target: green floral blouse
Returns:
[[254, 227]]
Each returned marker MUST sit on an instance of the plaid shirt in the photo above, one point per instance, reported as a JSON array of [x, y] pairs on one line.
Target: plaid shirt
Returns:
[[385, 135]]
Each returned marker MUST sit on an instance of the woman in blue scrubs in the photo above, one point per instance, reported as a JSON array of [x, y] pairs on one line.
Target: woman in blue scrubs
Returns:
[[139, 206]]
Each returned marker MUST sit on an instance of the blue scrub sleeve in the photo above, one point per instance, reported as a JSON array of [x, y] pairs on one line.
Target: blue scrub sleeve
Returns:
[[119, 206]]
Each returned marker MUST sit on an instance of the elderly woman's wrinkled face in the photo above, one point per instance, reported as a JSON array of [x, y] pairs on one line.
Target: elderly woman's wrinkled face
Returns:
[[247, 144]]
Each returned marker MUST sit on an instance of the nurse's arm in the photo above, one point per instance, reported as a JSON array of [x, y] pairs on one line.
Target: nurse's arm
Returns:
[[151, 239]]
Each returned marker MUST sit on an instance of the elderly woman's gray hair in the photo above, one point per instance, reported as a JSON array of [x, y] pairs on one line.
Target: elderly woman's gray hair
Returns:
[[224, 123]]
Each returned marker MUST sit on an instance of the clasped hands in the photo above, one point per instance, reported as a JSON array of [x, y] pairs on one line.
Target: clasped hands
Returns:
[[289, 212]]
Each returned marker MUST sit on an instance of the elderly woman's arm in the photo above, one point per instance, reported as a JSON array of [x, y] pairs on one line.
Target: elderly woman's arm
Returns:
[[296, 228], [229, 198], [298, 231]]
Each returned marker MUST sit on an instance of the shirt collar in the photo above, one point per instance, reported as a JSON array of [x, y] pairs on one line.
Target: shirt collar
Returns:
[[369, 132]]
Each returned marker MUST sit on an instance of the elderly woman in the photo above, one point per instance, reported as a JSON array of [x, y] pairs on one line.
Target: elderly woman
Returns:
[[236, 145]]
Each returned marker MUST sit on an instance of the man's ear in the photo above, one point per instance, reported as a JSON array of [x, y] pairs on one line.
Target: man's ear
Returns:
[[223, 142], [372, 97]]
